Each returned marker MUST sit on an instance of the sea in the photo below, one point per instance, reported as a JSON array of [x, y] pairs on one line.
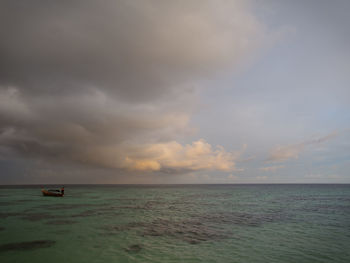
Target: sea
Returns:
[[176, 223]]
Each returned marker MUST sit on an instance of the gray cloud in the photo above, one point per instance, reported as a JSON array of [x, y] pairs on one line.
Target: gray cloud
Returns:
[[138, 50], [94, 82]]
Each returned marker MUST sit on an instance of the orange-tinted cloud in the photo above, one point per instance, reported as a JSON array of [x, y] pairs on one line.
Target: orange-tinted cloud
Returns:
[[199, 155]]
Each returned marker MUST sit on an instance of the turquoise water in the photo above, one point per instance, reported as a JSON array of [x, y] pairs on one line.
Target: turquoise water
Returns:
[[192, 223]]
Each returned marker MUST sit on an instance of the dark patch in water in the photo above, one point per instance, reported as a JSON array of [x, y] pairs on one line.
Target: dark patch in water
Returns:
[[27, 245], [24, 200], [61, 232], [106, 209], [133, 248], [66, 206], [122, 199], [97, 212], [241, 218], [190, 231], [127, 226], [5, 215], [5, 203], [131, 207], [60, 222], [85, 213], [39, 216], [2, 228]]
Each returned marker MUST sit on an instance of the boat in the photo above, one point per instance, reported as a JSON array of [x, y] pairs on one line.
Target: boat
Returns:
[[53, 192]]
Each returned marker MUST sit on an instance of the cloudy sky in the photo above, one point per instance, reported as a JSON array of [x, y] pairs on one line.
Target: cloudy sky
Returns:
[[191, 91]]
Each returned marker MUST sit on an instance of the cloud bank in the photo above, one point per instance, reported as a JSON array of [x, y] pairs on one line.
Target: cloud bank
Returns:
[[114, 84]]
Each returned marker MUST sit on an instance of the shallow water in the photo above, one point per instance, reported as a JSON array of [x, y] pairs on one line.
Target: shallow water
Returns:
[[183, 223]]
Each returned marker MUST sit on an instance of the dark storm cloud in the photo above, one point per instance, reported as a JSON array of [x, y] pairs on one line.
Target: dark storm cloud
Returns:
[[94, 82], [138, 50]]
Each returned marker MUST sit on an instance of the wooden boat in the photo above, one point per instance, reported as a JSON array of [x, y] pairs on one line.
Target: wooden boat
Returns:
[[53, 192]]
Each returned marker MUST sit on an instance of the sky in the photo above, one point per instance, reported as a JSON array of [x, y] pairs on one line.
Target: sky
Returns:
[[195, 91]]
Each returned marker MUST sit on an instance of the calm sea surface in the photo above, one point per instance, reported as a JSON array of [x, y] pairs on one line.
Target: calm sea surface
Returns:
[[184, 223]]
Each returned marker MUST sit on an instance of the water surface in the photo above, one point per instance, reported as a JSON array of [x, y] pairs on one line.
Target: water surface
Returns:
[[182, 223]]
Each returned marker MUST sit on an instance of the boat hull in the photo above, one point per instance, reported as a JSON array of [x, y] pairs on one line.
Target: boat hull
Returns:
[[47, 193]]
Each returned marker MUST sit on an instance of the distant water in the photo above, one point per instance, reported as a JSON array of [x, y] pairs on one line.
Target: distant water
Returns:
[[185, 223]]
